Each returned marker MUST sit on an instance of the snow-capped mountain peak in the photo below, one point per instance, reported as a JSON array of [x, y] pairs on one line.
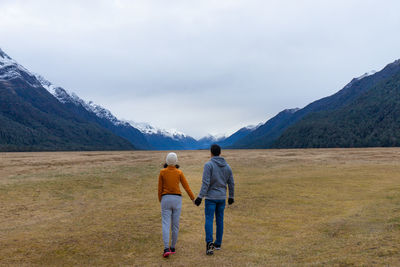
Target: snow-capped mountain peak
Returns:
[[60, 93], [253, 127], [10, 70], [66, 97], [103, 113], [151, 130], [213, 137], [4, 57]]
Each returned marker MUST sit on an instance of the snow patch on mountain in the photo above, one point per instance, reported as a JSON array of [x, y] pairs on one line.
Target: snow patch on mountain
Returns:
[[253, 127], [103, 113], [6, 60], [212, 138], [148, 129], [215, 138], [47, 85], [372, 72], [60, 93], [292, 110], [10, 69], [66, 97]]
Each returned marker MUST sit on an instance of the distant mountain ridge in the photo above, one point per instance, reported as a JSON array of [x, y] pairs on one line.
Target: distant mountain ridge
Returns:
[[161, 139], [370, 120], [10, 70], [96, 113], [266, 135], [37, 115], [32, 119], [141, 136]]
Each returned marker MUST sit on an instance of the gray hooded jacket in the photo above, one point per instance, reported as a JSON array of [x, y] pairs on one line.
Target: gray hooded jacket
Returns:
[[216, 175]]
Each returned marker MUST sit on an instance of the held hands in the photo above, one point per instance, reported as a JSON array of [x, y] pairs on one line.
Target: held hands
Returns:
[[197, 202]]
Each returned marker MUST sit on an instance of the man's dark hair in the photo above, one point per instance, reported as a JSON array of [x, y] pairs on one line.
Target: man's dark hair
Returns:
[[215, 150]]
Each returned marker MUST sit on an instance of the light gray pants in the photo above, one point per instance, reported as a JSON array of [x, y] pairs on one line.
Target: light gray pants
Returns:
[[171, 206]]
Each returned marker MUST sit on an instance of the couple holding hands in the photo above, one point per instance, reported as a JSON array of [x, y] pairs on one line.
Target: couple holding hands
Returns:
[[217, 175]]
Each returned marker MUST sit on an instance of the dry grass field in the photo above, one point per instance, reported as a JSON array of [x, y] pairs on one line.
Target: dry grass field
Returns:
[[293, 207]]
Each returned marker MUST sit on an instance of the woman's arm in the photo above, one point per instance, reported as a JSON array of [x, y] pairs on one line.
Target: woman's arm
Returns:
[[186, 186], [160, 186]]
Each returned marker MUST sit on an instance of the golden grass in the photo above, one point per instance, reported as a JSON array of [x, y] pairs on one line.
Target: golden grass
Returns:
[[292, 207]]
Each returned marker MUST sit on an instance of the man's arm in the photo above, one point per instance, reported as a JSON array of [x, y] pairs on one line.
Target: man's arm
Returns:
[[206, 180], [231, 185]]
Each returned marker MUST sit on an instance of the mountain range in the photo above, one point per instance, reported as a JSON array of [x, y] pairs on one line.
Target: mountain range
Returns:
[[299, 128], [32, 119], [371, 118], [36, 115]]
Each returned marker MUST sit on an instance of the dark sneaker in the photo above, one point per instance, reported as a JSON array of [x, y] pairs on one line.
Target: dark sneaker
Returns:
[[166, 253], [210, 248], [217, 247], [172, 250]]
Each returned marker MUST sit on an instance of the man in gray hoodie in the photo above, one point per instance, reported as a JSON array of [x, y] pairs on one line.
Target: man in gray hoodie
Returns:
[[217, 175]]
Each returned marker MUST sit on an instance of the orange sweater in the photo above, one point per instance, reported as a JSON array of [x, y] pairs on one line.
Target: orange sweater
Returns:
[[168, 182]]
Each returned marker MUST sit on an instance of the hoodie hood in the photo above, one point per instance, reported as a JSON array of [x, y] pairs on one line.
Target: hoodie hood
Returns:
[[220, 161]]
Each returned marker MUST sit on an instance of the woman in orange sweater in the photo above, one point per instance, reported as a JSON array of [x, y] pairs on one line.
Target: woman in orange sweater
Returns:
[[169, 194]]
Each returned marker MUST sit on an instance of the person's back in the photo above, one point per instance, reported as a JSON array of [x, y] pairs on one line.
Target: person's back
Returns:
[[217, 175], [170, 196], [170, 179]]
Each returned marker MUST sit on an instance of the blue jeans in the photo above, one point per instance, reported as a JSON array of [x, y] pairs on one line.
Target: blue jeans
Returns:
[[214, 206]]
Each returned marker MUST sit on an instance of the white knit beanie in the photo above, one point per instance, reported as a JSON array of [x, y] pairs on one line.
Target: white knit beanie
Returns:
[[172, 159]]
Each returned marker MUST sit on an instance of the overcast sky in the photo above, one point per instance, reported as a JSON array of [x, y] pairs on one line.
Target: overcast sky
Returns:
[[201, 66]]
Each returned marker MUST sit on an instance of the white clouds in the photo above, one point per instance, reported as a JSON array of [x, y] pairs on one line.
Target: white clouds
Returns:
[[252, 57]]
